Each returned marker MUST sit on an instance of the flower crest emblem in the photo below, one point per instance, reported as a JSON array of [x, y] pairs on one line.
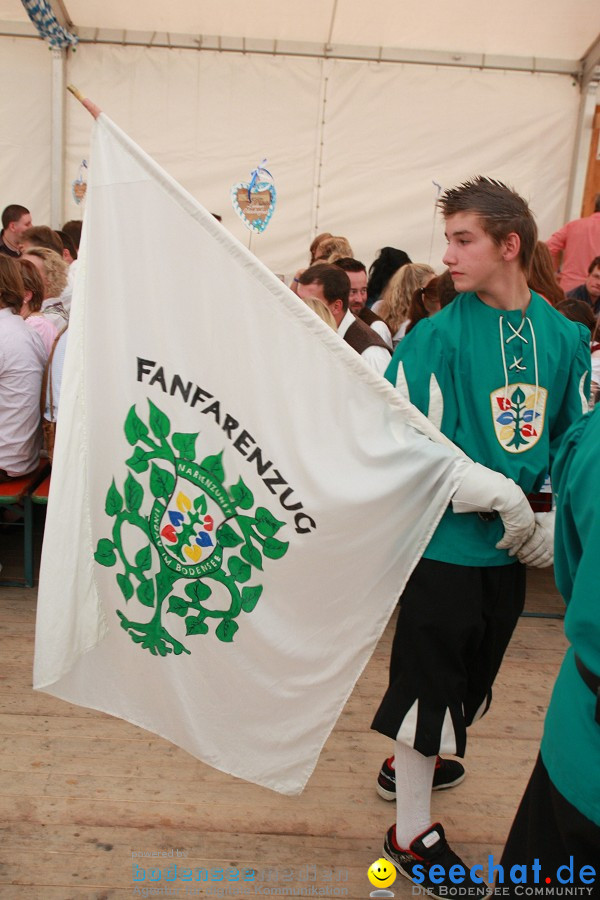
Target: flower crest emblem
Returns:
[[187, 543]]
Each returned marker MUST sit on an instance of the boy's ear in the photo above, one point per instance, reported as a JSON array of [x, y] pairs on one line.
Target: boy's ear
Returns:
[[511, 246]]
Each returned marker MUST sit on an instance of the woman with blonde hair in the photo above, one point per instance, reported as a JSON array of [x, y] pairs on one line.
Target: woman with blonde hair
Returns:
[[333, 248], [321, 310], [325, 248], [395, 302], [315, 254], [53, 271], [31, 309], [314, 247]]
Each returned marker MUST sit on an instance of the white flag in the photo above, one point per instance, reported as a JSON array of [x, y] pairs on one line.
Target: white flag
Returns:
[[237, 501]]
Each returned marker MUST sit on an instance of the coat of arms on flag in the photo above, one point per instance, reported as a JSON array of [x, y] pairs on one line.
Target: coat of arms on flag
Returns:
[[192, 534]]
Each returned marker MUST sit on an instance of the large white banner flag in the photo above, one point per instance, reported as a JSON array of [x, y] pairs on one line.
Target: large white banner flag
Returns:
[[237, 501]]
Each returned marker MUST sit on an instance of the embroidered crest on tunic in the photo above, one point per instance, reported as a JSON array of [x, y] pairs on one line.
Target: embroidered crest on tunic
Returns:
[[519, 414]]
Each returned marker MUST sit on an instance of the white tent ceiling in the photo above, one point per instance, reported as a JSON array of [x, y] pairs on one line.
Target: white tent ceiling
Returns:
[[560, 30], [549, 28]]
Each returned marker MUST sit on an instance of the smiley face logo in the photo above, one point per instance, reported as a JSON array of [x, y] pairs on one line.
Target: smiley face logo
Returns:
[[381, 873]]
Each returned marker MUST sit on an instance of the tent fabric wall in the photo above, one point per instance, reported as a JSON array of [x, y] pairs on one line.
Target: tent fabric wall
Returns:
[[392, 131], [26, 74], [353, 146], [209, 119], [388, 132]]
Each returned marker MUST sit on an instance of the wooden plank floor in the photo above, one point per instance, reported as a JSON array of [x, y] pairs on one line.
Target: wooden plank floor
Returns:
[[80, 792]]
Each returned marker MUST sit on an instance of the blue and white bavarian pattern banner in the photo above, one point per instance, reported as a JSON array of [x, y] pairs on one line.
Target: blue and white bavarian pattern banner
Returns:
[[237, 500], [48, 27]]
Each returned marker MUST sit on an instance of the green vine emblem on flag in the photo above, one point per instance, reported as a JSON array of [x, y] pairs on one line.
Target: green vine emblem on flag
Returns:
[[198, 543]]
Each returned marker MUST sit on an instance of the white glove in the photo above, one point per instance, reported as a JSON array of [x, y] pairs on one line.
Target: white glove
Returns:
[[483, 490], [538, 551]]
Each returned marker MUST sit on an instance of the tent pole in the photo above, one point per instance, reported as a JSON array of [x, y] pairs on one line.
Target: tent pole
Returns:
[[57, 138], [587, 107], [320, 137]]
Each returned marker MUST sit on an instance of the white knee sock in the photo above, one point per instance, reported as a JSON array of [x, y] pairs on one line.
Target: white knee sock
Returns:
[[414, 778]]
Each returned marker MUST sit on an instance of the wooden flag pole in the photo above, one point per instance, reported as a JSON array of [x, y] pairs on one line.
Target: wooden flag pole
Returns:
[[89, 105]]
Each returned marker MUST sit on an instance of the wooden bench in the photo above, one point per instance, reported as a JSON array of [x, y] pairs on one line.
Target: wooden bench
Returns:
[[40, 494], [20, 490]]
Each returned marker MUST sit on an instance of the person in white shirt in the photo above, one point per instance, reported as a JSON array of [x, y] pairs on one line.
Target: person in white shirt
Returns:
[[15, 220], [31, 309], [331, 285], [22, 359], [53, 270], [357, 301], [69, 255]]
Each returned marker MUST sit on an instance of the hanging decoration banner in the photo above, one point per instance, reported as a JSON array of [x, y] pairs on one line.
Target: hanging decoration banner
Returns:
[[79, 186], [254, 201], [47, 25]]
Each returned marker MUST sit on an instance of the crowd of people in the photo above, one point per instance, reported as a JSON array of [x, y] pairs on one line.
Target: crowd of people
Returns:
[[37, 268], [372, 309], [395, 293], [498, 357]]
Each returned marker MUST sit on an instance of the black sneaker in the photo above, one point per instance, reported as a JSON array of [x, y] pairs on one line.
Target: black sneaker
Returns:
[[429, 849], [448, 773]]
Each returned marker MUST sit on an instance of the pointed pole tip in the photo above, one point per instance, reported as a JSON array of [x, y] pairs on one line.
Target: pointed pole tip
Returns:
[[89, 105]]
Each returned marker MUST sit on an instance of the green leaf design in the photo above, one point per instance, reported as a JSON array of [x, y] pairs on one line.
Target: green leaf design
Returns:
[[251, 540], [198, 591], [252, 556], [159, 422], [227, 537], [114, 501], [240, 571], [135, 429], [186, 444], [105, 553], [266, 522], [226, 630], [200, 504], [134, 493], [242, 495], [126, 586], [275, 549], [164, 583], [143, 558], [162, 483], [195, 625], [178, 605], [250, 597], [138, 461], [518, 399], [145, 593], [214, 465]]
